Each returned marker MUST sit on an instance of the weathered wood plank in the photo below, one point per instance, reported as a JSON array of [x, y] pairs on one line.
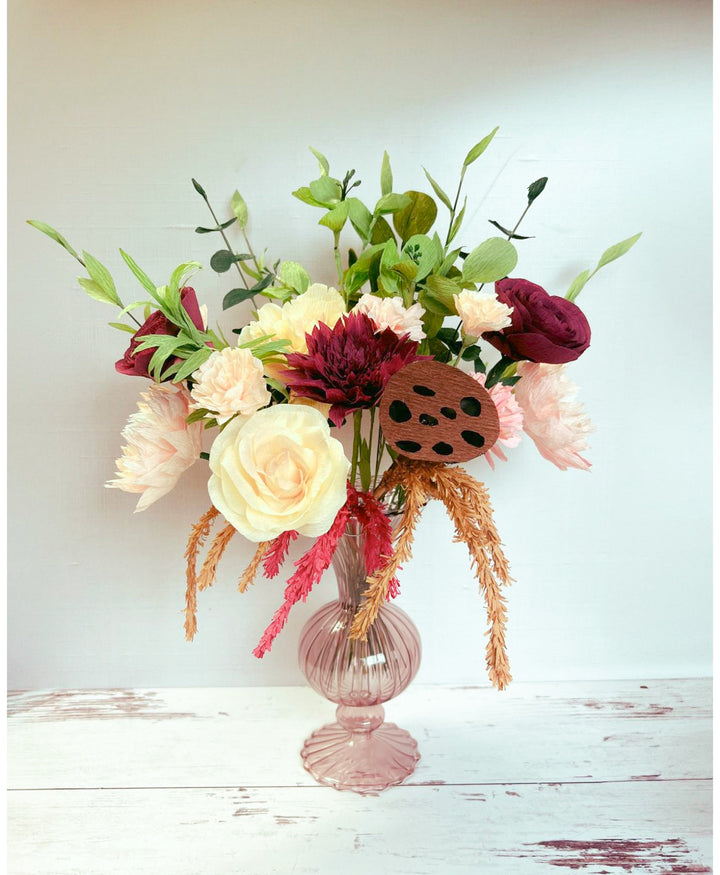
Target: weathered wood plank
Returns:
[[633, 731], [653, 828]]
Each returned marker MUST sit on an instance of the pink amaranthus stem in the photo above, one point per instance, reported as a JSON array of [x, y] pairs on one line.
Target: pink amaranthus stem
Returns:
[[277, 553]]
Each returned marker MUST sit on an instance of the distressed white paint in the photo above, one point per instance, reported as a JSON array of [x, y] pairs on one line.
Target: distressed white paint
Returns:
[[593, 777], [114, 106]]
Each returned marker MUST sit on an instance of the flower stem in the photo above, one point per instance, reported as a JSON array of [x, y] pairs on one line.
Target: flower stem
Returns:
[[357, 423]]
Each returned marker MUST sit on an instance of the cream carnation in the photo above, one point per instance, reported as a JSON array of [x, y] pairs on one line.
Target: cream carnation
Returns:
[[481, 311], [230, 381], [558, 425], [278, 470], [295, 319], [390, 313], [160, 444]]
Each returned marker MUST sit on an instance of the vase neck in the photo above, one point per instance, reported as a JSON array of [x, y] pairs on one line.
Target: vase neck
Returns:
[[349, 565]]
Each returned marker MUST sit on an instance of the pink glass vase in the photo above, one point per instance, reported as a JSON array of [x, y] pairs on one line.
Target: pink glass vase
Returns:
[[360, 752]]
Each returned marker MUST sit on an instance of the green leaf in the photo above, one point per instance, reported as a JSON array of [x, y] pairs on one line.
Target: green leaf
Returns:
[[457, 222], [239, 208], [423, 252], [182, 273], [577, 285], [94, 290], [199, 189], [438, 191], [305, 195], [222, 260], [326, 191], [448, 262], [121, 326], [386, 177], [432, 323], [192, 363], [535, 189], [295, 276], [490, 261], [335, 219], [236, 296], [618, 250], [322, 161], [360, 216], [53, 235], [479, 148], [417, 217], [507, 233], [262, 284], [408, 270], [197, 415], [391, 203], [139, 273], [381, 231], [101, 276], [441, 291]]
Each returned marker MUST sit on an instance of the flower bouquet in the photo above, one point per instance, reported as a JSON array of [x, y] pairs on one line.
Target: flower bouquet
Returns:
[[430, 348]]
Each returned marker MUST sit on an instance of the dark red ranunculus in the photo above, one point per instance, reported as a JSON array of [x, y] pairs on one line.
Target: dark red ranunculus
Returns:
[[348, 366], [136, 365], [545, 328]]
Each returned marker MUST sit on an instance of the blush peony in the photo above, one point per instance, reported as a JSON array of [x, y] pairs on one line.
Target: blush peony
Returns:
[[231, 381], [160, 444], [557, 424], [278, 471], [390, 313]]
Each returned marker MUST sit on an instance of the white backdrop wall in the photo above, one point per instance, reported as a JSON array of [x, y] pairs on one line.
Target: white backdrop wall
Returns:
[[114, 106]]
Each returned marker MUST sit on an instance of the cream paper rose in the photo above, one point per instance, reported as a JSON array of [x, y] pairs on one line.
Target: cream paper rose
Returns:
[[481, 312], [295, 319], [230, 381], [278, 470]]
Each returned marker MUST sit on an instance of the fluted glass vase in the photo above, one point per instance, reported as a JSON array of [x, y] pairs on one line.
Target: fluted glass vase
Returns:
[[360, 752]]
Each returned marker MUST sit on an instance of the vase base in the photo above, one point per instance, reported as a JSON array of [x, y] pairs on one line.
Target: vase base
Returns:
[[363, 762]]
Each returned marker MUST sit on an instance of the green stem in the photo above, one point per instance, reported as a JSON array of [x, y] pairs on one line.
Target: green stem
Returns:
[[338, 262], [230, 249], [517, 225], [357, 423], [452, 212]]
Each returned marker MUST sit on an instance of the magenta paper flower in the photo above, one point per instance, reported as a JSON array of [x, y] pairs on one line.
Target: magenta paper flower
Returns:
[[349, 365]]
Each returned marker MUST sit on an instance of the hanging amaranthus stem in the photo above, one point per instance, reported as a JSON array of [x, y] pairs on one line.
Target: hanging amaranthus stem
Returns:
[[209, 569], [198, 534], [248, 576]]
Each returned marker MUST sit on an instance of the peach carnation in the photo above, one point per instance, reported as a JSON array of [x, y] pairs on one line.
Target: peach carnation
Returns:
[[481, 312], [160, 444], [557, 424], [511, 419], [231, 381], [390, 313]]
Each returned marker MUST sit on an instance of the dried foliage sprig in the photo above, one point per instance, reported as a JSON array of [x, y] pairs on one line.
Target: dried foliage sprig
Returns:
[[198, 535], [248, 576], [207, 574]]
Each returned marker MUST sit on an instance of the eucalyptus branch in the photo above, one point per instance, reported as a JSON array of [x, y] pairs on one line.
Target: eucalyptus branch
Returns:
[[454, 207]]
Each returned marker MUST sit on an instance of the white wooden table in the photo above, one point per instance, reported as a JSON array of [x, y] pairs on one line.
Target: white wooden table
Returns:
[[589, 778]]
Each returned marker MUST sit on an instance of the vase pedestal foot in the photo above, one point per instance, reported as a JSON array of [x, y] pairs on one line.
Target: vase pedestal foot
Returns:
[[362, 761]]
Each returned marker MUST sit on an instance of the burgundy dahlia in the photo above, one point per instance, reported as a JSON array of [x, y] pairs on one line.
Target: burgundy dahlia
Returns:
[[348, 366]]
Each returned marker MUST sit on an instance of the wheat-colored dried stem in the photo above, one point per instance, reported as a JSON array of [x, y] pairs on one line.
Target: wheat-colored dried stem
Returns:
[[250, 573], [198, 534], [206, 577]]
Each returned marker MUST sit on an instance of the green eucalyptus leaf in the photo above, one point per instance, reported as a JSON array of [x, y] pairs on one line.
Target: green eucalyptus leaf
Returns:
[[507, 233], [417, 217], [326, 191], [222, 260], [335, 219], [479, 148], [490, 261], [386, 177], [438, 191], [305, 195], [295, 276], [535, 189], [101, 276], [322, 161], [432, 304], [442, 290], [236, 296], [618, 250], [121, 326], [199, 189], [423, 252], [239, 208], [391, 203], [53, 235], [139, 274]]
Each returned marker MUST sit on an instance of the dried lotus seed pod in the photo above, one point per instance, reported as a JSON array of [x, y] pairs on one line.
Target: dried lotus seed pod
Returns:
[[436, 413]]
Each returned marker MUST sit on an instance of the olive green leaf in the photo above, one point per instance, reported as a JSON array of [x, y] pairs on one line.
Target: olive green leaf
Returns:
[[391, 203], [239, 208], [360, 216], [417, 217], [326, 191], [139, 273], [616, 251], [54, 235], [386, 177], [479, 148], [294, 275], [305, 195], [490, 261], [322, 161], [335, 219], [438, 191]]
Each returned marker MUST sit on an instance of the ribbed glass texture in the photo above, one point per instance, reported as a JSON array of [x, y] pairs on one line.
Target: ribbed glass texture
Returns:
[[360, 752]]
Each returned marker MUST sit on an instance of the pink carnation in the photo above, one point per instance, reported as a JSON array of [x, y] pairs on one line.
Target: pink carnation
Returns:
[[557, 424], [511, 419]]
